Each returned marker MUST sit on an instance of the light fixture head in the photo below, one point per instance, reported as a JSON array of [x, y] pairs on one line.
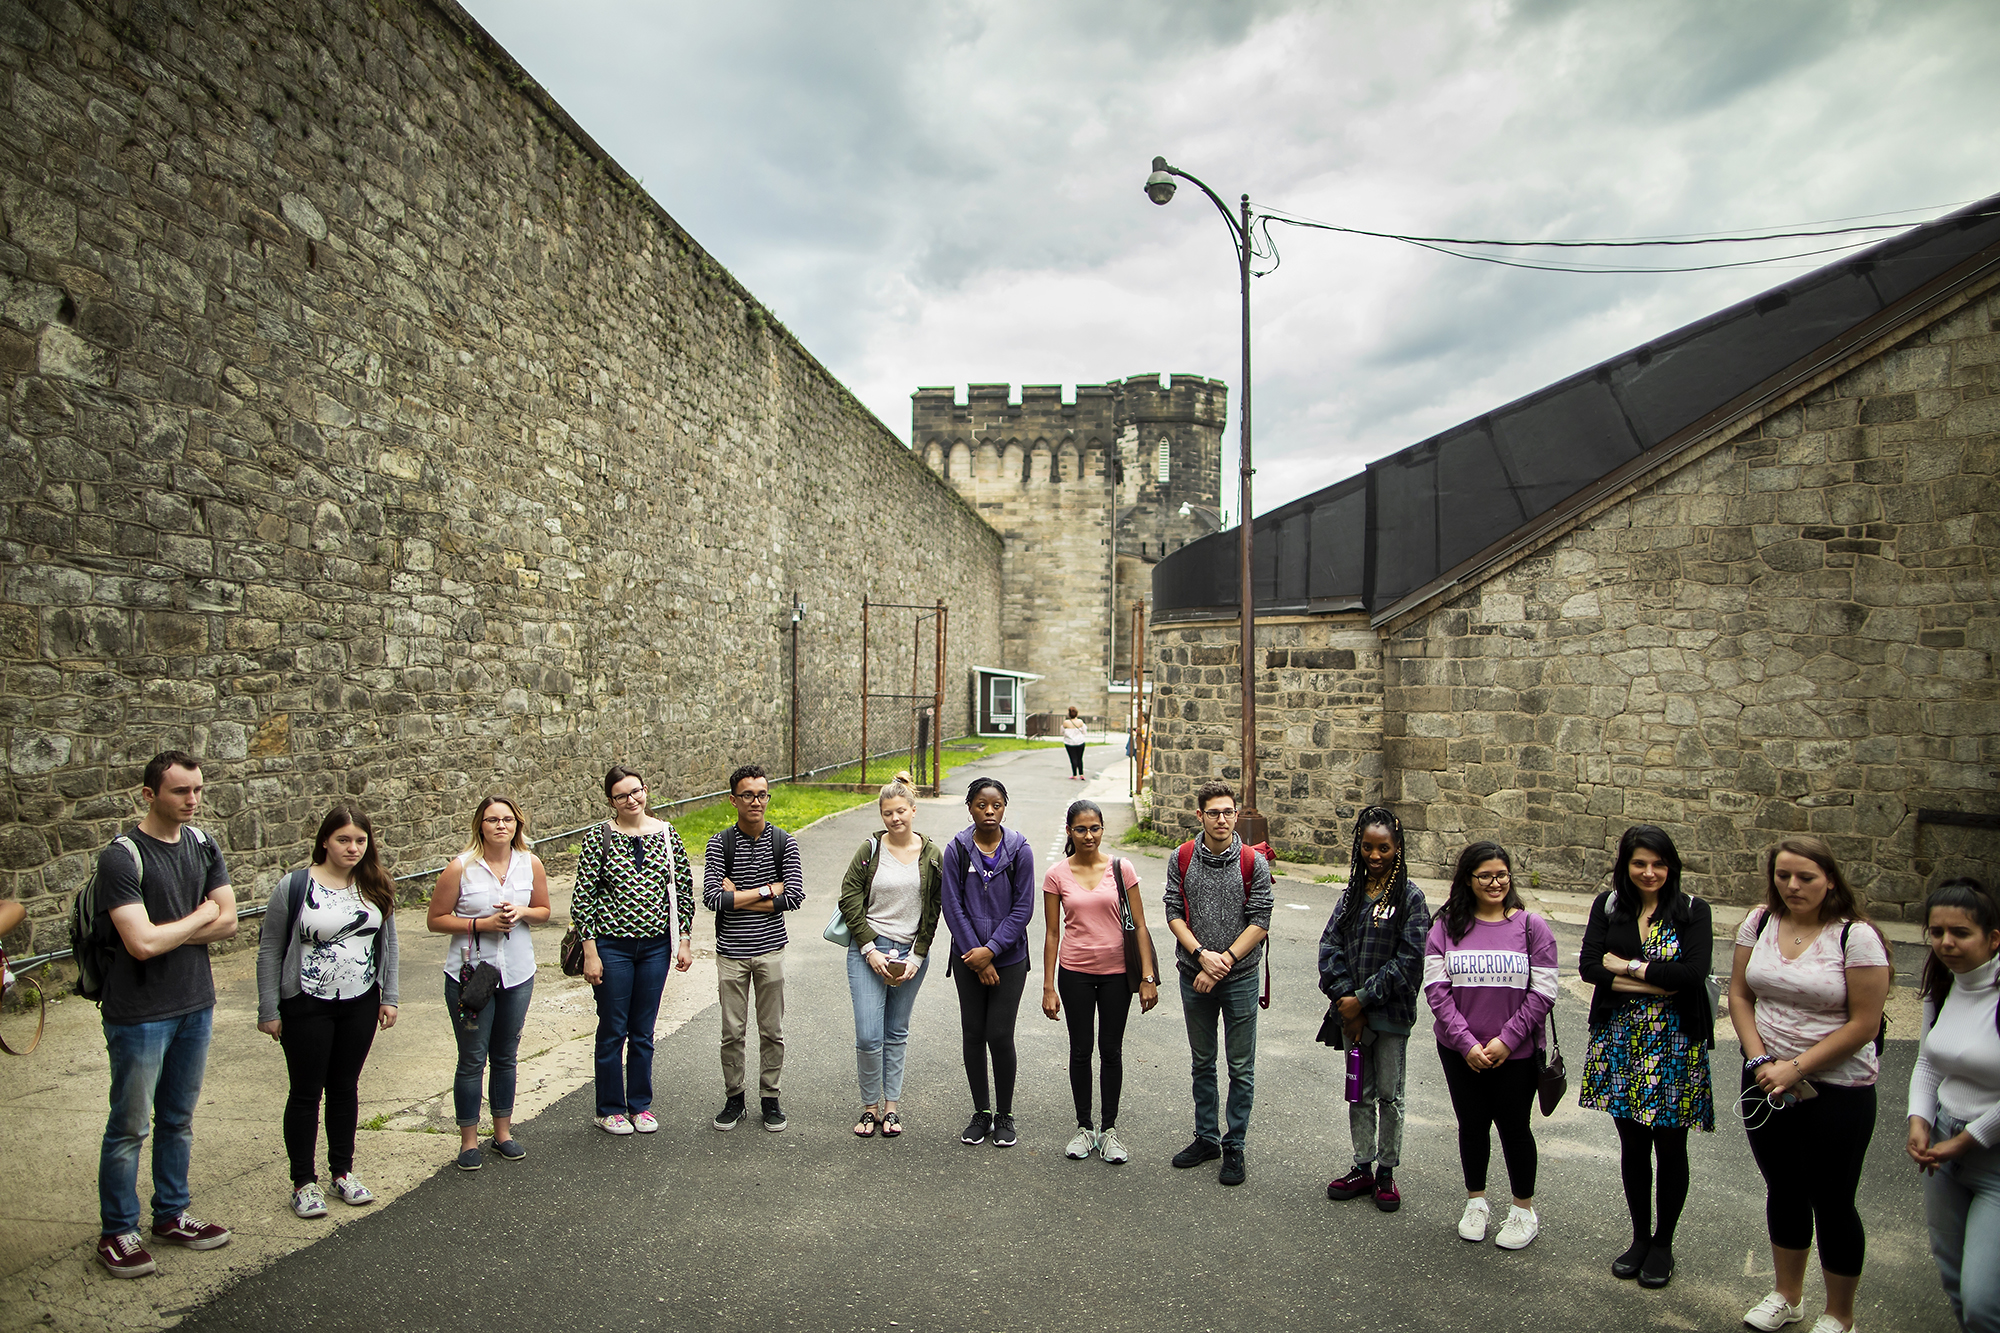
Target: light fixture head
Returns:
[[1160, 185]]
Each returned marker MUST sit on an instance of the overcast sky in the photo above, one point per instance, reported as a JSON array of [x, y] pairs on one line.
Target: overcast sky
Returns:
[[945, 191]]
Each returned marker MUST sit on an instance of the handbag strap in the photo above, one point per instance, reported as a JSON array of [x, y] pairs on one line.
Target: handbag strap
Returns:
[[1125, 921]]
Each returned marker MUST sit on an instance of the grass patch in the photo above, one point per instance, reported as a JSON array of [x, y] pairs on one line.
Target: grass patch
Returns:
[[791, 808], [1297, 855], [375, 1122], [1139, 835], [1330, 879], [957, 754]]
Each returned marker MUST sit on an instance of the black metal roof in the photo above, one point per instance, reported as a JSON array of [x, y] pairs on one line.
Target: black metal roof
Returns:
[[1442, 507]]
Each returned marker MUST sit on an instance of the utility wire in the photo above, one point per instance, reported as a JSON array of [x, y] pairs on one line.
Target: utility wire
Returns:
[[1690, 239]]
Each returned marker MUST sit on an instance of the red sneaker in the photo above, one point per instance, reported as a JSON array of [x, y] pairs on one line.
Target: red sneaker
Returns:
[[1387, 1197], [1353, 1185], [191, 1232], [124, 1256]]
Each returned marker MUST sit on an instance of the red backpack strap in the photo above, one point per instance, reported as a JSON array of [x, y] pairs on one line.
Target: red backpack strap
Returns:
[[1247, 860], [1185, 857]]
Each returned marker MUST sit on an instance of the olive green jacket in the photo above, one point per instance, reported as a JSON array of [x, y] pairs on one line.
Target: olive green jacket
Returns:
[[861, 875]]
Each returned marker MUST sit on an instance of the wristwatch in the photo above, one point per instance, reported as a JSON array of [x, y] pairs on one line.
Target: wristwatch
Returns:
[[765, 893], [1149, 981], [1632, 966]]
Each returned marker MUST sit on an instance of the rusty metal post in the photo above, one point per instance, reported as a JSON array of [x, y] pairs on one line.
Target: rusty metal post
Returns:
[[798, 614], [864, 689], [937, 722], [1138, 693]]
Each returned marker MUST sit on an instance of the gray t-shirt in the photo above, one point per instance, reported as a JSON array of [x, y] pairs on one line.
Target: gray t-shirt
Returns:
[[179, 875]]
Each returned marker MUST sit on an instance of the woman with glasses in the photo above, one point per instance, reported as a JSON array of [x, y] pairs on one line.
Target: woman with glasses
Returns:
[[1490, 977], [633, 887], [488, 897], [890, 899]]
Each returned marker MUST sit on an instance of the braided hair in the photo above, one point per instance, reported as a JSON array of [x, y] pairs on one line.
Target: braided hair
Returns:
[[1351, 903]]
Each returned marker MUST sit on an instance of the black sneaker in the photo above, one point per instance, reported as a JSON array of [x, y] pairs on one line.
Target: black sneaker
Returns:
[[1658, 1270], [1201, 1150], [1003, 1132], [1232, 1166], [975, 1132], [731, 1114], [774, 1115]]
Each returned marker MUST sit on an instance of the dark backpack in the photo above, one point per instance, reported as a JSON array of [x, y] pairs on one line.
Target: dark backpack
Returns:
[[781, 842], [93, 940], [1882, 1032]]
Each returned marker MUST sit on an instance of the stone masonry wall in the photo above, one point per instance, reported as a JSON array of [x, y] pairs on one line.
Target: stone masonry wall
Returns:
[[371, 434], [1319, 724], [1793, 632]]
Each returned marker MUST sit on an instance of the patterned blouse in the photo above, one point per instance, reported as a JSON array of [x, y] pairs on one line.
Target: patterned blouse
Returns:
[[632, 888]]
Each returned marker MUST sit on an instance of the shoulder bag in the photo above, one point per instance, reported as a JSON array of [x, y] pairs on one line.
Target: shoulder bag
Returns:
[[1551, 1077], [570, 951], [1128, 931]]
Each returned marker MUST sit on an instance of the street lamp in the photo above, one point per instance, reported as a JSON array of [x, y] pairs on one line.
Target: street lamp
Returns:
[[1214, 516], [1160, 189]]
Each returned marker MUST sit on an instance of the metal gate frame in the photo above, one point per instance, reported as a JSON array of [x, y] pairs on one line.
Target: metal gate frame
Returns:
[[925, 767]]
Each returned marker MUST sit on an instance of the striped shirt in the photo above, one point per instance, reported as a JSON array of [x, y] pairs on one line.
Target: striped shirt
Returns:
[[615, 898], [740, 933]]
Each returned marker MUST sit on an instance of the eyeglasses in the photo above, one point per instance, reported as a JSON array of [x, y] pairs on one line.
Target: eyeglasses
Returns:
[[1492, 877], [751, 797], [1218, 814], [636, 794], [498, 819]]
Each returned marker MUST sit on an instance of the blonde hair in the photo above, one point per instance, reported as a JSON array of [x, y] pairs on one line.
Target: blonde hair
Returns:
[[478, 840], [902, 785]]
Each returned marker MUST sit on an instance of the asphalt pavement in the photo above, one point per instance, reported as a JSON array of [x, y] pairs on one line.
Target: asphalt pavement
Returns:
[[814, 1229]]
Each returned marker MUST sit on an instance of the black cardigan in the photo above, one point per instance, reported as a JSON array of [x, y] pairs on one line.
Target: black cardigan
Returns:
[[1686, 977]]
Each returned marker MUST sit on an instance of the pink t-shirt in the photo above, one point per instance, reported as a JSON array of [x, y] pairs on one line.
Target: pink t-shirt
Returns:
[[1093, 939], [1801, 1000]]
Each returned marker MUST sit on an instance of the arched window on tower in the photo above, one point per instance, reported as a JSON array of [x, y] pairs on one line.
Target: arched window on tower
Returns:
[[1163, 471]]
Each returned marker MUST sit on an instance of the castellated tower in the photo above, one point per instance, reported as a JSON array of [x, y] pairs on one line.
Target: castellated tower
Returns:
[[1087, 498]]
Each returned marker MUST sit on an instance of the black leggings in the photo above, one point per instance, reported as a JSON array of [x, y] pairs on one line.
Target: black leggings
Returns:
[[326, 1042], [1811, 1157], [1103, 1002], [1637, 1145], [1075, 760], [1493, 1099], [986, 1023]]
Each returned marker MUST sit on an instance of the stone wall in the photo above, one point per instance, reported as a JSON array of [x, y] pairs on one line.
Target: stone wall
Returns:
[[1050, 476], [1793, 632], [1319, 724], [373, 435]]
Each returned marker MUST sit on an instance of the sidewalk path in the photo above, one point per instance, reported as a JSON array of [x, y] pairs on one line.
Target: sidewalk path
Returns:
[[814, 1230]]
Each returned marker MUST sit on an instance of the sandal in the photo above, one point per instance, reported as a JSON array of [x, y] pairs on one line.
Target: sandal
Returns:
[[892, 1125], [864, 1128]]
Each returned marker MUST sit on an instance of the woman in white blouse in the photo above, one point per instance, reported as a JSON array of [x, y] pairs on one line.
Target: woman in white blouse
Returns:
[[1075, 734], [1955, 1099], [488, 897], [1805, 996], [326, 980]]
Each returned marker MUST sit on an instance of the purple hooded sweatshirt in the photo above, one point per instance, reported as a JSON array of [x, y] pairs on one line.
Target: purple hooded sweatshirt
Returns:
[[989, 911]]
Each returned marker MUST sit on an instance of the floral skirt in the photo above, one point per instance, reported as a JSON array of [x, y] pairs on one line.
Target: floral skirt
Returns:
[[1642, 1067]]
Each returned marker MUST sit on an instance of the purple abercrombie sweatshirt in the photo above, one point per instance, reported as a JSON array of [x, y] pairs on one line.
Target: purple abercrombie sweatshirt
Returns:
[[1499, 981], [989, 911]]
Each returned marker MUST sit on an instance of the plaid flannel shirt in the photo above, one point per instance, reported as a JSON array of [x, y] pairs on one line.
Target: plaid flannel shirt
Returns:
[[1379, 967]]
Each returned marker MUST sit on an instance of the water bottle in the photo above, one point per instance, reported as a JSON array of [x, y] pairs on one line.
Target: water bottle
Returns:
[[1354, 1072]]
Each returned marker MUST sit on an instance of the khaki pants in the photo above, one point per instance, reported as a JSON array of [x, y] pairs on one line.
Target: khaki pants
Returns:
[[733, 979]]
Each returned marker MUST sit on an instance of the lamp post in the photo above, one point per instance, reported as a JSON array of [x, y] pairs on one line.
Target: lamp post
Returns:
[[1160, 189]]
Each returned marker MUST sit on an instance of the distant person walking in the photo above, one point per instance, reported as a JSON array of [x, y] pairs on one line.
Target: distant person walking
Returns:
[[1085, 899], [1371, 961], [1075, 736], [750, 875], [1218, 905], [326, 980], [989, 898], [1955, 1099], [488, 897], [890, 899], [1805, 996], [163, 897], [1490, 977], [634, 898], [1646, 948]]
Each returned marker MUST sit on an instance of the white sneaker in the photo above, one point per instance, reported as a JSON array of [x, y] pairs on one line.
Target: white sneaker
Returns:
[[1520, 1227], [1109, 1149], [1081, 1146], [614, 1124], [1826, 1323], [646, 1123], [352, 1191], [1774, 1312], [307, 1201], [1472, 1222]]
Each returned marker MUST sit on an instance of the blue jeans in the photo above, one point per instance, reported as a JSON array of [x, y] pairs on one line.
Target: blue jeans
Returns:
[[1234, 1001], [494, 1044], [1962, 1205], [156, 1071], [881, 1024], [628, 1004]]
